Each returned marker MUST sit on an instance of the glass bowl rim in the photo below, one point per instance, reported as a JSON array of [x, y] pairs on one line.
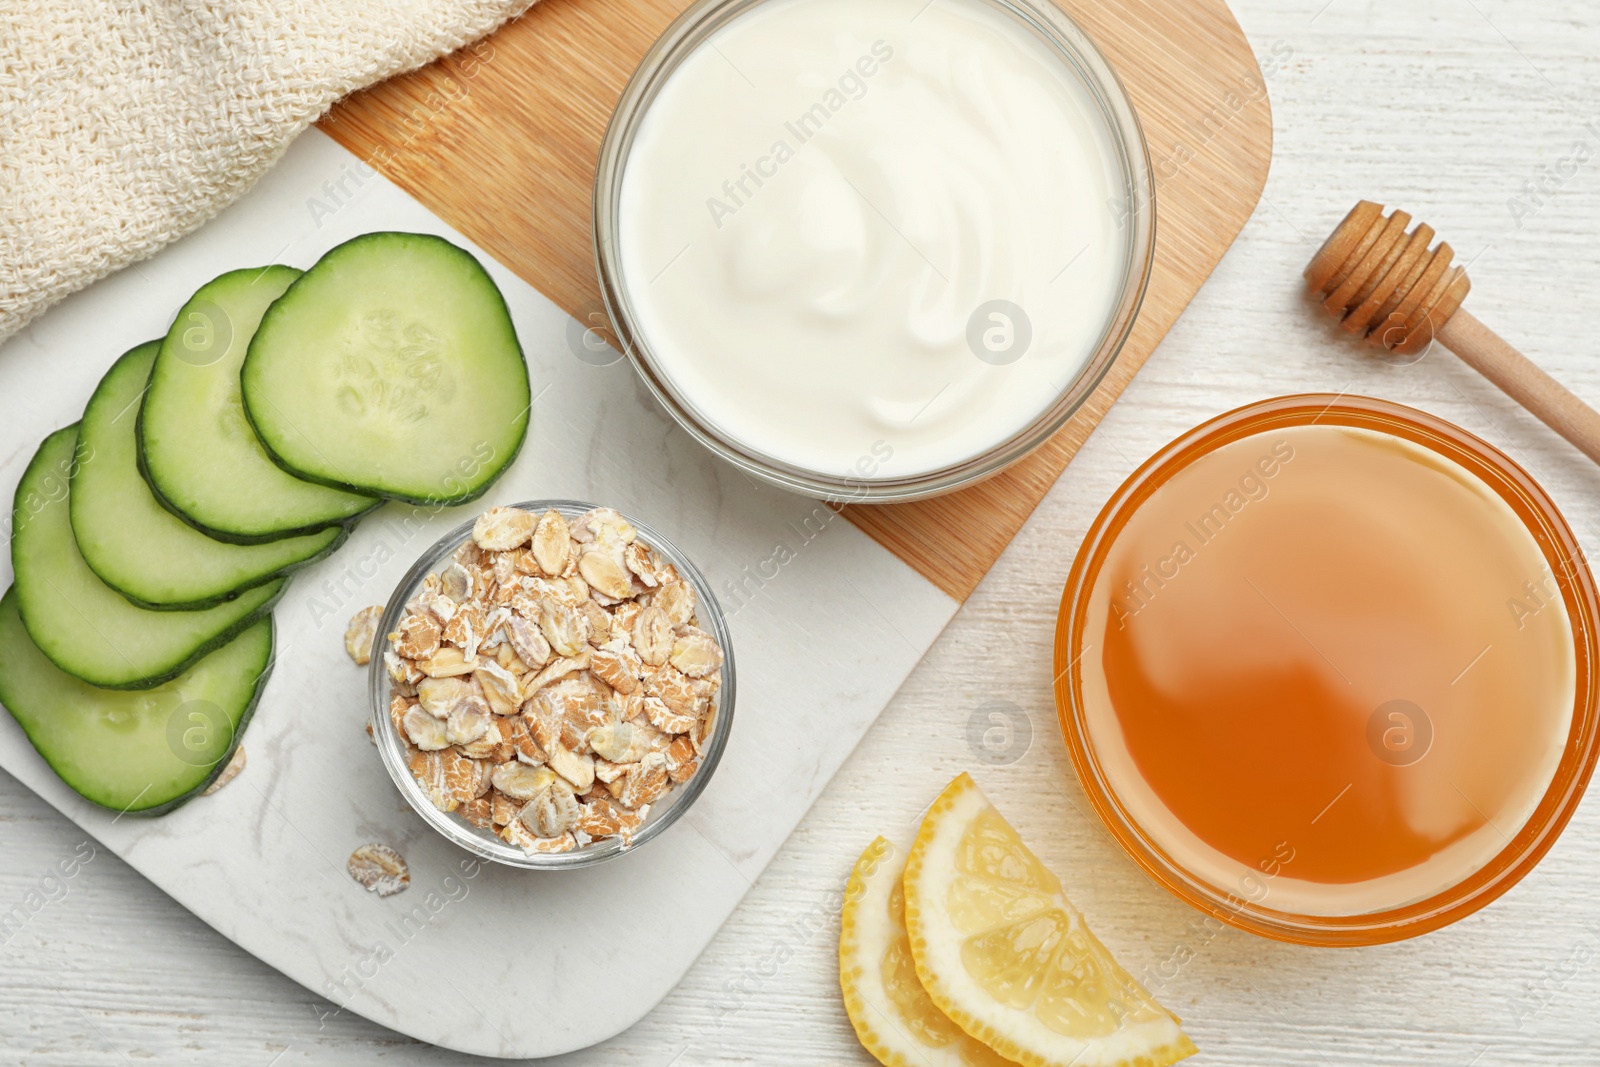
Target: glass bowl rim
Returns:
[[1543, 826], [470, 838], [1047, 21]]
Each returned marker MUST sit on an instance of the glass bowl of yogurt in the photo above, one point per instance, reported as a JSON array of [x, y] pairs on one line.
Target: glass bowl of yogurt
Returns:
[[873, 250]]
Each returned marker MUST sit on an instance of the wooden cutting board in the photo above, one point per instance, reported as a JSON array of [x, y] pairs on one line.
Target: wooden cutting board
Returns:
[[500, 140]]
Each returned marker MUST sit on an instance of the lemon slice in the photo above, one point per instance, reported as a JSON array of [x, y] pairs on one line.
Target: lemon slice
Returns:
[[891, 1012], [1004, 954]]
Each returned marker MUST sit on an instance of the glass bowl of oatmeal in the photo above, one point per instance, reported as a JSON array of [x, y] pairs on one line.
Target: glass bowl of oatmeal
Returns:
[[552, 684]]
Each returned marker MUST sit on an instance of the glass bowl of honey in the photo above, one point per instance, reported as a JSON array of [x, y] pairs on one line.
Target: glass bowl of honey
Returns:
[[1325, 668]]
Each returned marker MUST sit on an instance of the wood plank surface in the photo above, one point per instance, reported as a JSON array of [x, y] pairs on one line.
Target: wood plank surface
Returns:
[[500, 141], [1428, 105]]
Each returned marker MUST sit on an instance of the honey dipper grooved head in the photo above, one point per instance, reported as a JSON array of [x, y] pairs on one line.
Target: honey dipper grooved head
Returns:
[[1384, 284]]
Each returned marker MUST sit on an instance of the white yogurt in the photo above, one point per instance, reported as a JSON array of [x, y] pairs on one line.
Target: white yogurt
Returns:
[[826, 200]]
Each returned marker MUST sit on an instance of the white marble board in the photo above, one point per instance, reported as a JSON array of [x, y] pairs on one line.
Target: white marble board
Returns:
[[489, 960]]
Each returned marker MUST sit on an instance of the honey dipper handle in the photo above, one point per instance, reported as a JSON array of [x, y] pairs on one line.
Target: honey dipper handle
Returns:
[[1522, 380]]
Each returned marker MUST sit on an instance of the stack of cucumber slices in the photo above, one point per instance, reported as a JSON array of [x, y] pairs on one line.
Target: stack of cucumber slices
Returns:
[[152, 538]]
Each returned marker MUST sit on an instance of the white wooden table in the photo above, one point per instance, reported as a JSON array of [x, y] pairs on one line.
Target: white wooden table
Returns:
[[1444, 107]]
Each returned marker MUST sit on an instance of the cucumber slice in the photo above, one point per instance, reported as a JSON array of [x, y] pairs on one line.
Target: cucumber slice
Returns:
[[87, 628], [196, 447], [143, 752], [390, 367], [135, 545]]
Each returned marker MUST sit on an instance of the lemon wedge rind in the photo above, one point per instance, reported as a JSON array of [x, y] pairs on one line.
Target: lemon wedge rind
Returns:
[[890, 1011], [1003, 953]]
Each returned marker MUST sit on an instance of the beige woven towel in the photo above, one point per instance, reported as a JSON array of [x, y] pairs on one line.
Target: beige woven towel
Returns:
[[124, 124]]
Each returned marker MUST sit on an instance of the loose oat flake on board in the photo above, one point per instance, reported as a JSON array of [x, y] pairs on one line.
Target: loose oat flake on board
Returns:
[[229, 773], [361, 634], [379, 869]]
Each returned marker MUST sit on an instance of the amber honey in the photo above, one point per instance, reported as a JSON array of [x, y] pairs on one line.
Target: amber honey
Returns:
[[1327, 665]]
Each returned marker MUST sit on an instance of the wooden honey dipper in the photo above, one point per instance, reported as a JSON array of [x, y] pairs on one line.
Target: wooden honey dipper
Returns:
[[1387, 286]]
